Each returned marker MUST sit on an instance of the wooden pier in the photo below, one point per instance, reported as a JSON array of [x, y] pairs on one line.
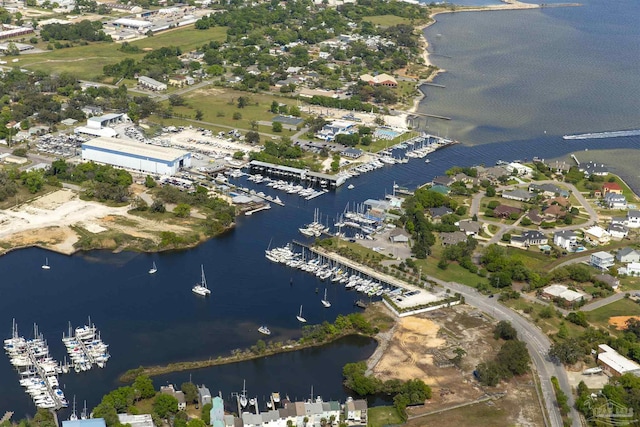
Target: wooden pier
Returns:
[[6, 417]]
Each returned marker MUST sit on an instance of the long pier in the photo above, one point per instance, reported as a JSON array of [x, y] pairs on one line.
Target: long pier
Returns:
[[43, 374]]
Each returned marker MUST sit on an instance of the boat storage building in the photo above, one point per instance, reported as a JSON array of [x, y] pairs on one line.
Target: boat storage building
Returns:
[[136, 156]]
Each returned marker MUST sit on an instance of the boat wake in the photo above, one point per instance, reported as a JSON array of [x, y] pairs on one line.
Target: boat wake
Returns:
[[601, 135]]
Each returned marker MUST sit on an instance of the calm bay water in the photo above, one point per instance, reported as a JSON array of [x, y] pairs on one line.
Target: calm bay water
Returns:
[[511, 77]]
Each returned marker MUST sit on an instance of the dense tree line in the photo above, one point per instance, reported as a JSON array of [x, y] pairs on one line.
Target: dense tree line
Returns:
[[347, 104], [103, 182], [86, 30], [511, 360], [155, 64]]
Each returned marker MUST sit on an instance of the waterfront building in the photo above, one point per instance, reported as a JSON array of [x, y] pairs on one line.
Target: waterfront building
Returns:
[[355, 411], [519, 169], [615, 201], [136, 156], [142, 420], [379, 80], [204, 395], [398, 235], [178, 394], [593, 168], [89, 422], [611, 187]]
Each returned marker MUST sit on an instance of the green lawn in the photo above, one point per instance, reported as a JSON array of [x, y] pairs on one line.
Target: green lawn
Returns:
[[387, 20], [624, 307], [381, 416], [87, 62], [532, 258], [453, 273], [548, 325]]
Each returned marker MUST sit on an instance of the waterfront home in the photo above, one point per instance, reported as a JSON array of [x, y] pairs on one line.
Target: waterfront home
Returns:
[[352, 153], [627, 255], [617, 231], [565, 239], [559, 166], [562, 293], [379, 80], [178, 394], [492, 174], [593, 168], [597, 235], [355, 411], [443, 180], [611, 187], [601, 260], [548, 190], [437, 213], [520, 195], [615, 201], [204, 395], [519, 169], [614, 364]]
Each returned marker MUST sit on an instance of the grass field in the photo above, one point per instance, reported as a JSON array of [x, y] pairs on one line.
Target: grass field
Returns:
[[87, 62], [548, 325], [623, 307], [387, 20], [453, 273], [381, 416]]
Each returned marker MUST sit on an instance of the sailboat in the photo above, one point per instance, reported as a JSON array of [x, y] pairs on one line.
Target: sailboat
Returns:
[[73, 416], [46, 266], [201, 288], [324, 300], [299, 316], [243, 396], [153, 269]]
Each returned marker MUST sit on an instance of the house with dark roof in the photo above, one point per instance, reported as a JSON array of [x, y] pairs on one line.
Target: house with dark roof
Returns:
[[615, 201], [534, 216], [559, 166], [442, 180], [554, 212], [633, 219], [439, 212], [548, 190], [627, 255], [593, 168], [517, 194], [453, 238], [529, 238], [617, 231], [504, 211], [492, 174], [352, 153], [611, 281]]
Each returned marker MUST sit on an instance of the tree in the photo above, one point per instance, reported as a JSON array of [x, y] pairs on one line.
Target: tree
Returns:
[[252, 137], [276, 127], [243, 101], [165, 405], [143, 386], [149, 182], [237, 116], [34, 180], [568, 351], [199, 115], [158, 207], [514, 357], [206, 413], [505, 331], [190, 392], [490, 191], [274, 107], [177, 100], [488, 373], [579, 318], [182, 210]]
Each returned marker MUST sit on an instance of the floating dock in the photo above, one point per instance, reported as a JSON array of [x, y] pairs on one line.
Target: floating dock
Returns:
[[303, 175]]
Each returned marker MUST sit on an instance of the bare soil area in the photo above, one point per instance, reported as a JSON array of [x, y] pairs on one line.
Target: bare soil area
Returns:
[[50, 221], [423, 347], [620, 322]]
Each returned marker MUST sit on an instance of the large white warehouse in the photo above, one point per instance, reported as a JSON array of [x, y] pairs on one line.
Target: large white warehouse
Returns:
[[136, 156]]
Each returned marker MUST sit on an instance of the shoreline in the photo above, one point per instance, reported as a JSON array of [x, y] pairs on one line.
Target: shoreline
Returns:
[[424, 42]]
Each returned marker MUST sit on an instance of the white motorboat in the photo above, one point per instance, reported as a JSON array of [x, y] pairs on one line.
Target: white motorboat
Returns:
[[264, 330], [201, 288], [46, 265], [300, 318], [325, 302], [351, 186], [153, 269], [243, 396]]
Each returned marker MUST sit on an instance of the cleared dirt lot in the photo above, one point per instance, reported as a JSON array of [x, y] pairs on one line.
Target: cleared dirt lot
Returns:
[[423, 347]]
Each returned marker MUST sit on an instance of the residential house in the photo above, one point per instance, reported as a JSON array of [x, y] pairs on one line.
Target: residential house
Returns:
[[593, 168], [442, 180], [628, 255], [615, 201], [355, 411], [611, 281], [534, 216], [554, 212], [615, 364], [439, 212], [560, 200], [559, 166], [149, 83], [379, 80], [530, 238], [633, 219], [469, 227], [453, 238], [91, 110], [142, 420], [617, 231], [504, 211], [517, 194], [548, 190], [178, 394], [519, 169], [597, 235], [563, 293], [602, 260], [492, 174], [398, 235], [330, 130], [180, 80], [204, 395], [611, 187], [631, 269]]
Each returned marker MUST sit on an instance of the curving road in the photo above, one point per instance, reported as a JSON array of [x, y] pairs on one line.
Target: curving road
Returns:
[[537, 342]]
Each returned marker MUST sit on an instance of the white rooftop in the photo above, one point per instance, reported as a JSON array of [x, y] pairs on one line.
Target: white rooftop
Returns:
[[136, 148], [142, 420], [597, 231], [561, 291], [615, 360]]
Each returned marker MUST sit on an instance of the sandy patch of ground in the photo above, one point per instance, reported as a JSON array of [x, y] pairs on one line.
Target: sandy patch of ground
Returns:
[[620, 322], [47, 222]]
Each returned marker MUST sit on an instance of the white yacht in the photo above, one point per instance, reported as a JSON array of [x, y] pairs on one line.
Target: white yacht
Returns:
[[264, 330], [300, 318], [201, 288], [325, 302], [46, 265], [153, 269]]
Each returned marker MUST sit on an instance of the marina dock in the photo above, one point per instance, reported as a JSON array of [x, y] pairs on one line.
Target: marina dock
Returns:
[[303, 175]]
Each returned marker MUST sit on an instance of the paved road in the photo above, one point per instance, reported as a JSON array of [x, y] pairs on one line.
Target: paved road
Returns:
[[602, 302], [537, 342]]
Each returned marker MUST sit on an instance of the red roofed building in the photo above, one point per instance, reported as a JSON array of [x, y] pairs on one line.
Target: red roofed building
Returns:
[[611, 187]]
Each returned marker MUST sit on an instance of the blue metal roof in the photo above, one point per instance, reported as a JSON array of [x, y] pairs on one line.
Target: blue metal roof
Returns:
[[90, 422]]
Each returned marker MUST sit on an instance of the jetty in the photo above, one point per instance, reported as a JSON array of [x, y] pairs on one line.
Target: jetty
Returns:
[[266, 206], [6, 417], [303, 175]]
